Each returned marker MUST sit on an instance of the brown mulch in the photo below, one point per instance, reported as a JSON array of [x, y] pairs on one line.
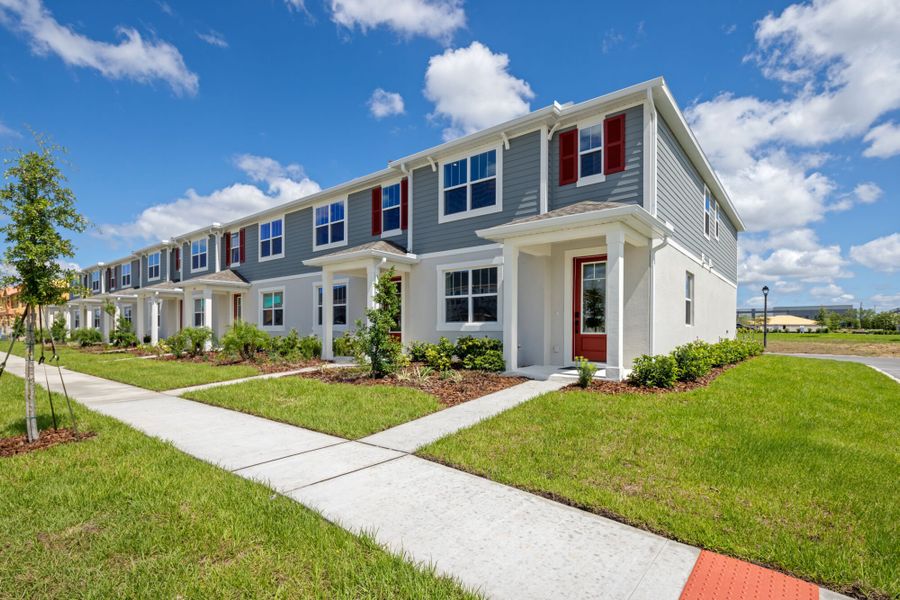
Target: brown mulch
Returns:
[[11, 446], [450, 392], [626, 387]]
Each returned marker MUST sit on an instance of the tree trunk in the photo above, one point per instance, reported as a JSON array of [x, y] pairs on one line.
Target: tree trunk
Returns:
[[30, 406]]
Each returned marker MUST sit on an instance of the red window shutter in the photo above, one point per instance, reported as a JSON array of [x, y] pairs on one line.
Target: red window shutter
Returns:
[[404, 204], [227, 248], [243, 237], [614, 144], [376, 211], [568, 157]]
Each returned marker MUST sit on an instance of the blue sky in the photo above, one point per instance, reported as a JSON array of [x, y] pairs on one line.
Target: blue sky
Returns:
[[178, 114]]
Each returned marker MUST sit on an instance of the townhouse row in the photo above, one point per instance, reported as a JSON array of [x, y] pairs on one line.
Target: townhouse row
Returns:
[[595, 229]]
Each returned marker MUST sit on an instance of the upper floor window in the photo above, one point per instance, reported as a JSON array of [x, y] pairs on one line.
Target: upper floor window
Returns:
[[95, 281], [390, 209], [469, 187], [329, 225], [235, 257], [271, 239], [590, 150], [198, 254], [707, 212], [126, 275], [153, 266], [716, 218], [688, 298]]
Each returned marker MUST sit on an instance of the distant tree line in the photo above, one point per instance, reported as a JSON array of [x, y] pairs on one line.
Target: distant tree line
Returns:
[[856, 318]]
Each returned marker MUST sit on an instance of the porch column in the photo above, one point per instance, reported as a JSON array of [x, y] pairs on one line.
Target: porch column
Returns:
[[187, 310], [139, 327], [208, 313], [327, 314], [371, 280], [154, 321], [615, 304], [511, 306], [116, 315], [68, 317]]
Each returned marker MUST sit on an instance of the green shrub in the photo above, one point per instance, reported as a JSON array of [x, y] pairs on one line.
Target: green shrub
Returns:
[[285, 347], [727, 352], [586, 371], [417, 351], [467, 346], [374, 343], [123, 335], [693, 360], [490, 360], [87, 336], [58, 331], [245, 340], [438, 360], [178, 344], [654, 371], [310, 347], [344, 345], [197, 338]]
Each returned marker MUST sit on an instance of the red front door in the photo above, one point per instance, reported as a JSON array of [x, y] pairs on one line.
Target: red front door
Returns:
[[589, 308]]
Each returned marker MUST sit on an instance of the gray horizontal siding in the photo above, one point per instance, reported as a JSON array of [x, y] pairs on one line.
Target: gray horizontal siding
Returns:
[[297, 247], [521, 190], [135, 274], [625, 186], [680, 201]]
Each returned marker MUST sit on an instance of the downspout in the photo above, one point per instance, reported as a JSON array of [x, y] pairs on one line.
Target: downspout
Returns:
[[409, 202]]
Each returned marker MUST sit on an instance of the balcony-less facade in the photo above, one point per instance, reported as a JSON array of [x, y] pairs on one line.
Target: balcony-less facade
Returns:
[[595, 229]]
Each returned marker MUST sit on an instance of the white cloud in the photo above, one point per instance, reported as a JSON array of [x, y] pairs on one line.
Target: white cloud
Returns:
[[881, 254], [437, 19], [886, 300], [298, 5], [213, 38], [884, 141], [832, 292], [611, 39], [166, 8], [133, 57], [472, 88], [8, 131], [840, 63], [283, 183], [384, 104], [868, 192]]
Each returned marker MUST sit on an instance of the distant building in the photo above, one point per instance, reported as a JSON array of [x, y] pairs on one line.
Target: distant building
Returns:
[[785, 323], [10, 308], [806, 312]]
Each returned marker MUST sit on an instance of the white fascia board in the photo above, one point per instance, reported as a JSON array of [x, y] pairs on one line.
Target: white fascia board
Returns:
[[622, 213], [321, 261]]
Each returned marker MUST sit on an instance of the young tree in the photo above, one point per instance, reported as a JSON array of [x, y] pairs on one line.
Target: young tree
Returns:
[[38, 205], [374, 339]]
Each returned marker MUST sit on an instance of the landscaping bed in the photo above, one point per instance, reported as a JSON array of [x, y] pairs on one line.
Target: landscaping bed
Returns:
[[18, 444], [451, 388], [781, 461], [604, 386]]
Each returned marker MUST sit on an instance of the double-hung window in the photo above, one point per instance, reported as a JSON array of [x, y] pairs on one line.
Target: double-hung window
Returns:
[[471, 295], [273, 308], [126, 275], [590, 150], [198, 254], [716, 218], [329, 225], [338, 304], [95, 281], [688, 298], [153, 266], [470, 186], [76, 319], [199, 312], [96, 318], [271, 240], [390, 209], [235, 243], [126, 312], [707, 212]]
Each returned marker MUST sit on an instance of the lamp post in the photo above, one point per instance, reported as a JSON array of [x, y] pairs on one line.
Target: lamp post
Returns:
[[765, 292]]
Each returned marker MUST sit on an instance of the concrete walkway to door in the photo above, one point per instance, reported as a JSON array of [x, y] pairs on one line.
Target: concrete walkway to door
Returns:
[[501, 541]]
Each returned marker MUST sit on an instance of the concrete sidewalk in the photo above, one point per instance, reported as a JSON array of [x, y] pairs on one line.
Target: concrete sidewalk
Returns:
[[499, 540], [883, 364]]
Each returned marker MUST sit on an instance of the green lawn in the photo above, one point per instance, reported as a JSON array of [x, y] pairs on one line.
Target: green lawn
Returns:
[[783, 461], [350, 411], [123, 515], [148, 373]]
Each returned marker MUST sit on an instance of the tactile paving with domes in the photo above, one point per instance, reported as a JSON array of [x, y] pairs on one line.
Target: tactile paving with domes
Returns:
[[717, 577]]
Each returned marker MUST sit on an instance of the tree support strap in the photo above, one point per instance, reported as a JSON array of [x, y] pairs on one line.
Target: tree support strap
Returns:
[[41, 362]]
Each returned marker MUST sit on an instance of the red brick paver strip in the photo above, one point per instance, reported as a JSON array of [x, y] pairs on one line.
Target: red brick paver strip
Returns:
[[718, 577]]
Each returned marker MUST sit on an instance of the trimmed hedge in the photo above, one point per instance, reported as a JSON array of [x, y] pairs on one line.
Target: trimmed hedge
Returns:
[[690, 362], [477, 354]]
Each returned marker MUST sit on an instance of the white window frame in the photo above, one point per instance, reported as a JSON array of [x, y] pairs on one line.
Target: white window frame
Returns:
[[707, 212], [689, 298], [315, 305], [260, 257], [443, 325], [237, 300], [260, 297], [346, 221], [150, 276], [128, 314], [387, 233], [715, 217], [95, 283], [96, 319], [76, 319], [597, 177], [125, 284], [205, 253], [237, 248], [469, 213], [201, 312]]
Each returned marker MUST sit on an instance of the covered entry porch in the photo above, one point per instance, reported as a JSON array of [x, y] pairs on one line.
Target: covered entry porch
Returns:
[[577, 283], [364, 263]]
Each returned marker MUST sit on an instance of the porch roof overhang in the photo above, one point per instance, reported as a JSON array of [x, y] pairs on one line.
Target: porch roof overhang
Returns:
[[162, 289], [223, 280], [358, 256], [577, 221]]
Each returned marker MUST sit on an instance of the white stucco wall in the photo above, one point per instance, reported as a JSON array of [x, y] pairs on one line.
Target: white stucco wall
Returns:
[[715, 302]]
